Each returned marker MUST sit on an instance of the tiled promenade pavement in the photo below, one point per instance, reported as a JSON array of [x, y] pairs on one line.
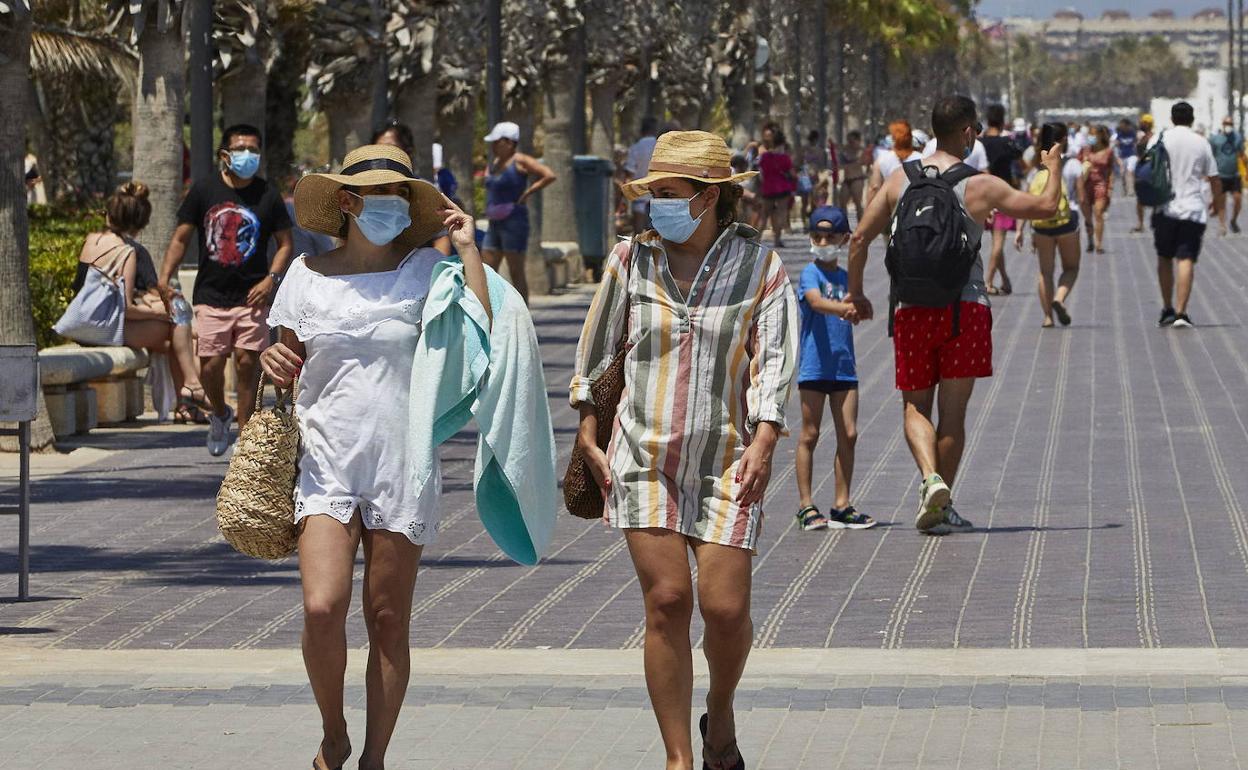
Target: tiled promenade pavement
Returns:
[[1106, 467]]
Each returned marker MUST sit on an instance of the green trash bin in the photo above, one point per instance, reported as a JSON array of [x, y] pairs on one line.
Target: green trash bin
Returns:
[[591, 186]]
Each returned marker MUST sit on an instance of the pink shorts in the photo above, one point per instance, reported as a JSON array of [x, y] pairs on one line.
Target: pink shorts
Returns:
[[222, 329], [999, 221], [926, 351]]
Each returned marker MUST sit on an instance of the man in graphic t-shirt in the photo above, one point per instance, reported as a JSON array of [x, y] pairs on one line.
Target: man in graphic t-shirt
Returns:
[[233, 213]]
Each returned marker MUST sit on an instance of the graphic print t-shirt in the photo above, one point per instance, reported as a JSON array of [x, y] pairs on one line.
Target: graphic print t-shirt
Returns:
[[827, 342], [234, 227]]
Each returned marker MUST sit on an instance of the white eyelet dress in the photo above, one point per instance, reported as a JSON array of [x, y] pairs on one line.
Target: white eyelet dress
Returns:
[[360, 332]]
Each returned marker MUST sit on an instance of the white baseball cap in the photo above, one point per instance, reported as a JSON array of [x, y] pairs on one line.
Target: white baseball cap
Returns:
[[504, 130], [1020, 124]]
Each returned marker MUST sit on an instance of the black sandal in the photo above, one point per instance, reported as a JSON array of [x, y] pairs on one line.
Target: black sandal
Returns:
[[731, 747], [810, 519]]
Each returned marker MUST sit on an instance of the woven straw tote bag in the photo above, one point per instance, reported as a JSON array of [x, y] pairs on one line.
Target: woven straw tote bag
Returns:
[[256, 504], [581, 494]]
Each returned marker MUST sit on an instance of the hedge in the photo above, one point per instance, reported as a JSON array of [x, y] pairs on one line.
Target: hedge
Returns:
[[56, 237]]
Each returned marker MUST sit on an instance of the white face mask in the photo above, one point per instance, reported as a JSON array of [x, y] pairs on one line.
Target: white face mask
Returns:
[[829, 253]]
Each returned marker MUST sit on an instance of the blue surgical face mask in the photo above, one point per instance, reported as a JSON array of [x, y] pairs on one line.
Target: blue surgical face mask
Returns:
[[244, 163], [383, 217], [672, 220]]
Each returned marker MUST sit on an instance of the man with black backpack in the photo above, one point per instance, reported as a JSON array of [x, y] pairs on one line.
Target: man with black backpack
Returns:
[[939, 311], [1181, 162]]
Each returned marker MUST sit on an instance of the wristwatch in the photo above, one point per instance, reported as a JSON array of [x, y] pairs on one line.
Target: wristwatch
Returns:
[[277, 278]]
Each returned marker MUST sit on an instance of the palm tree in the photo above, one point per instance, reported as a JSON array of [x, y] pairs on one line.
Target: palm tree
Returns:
[[687, 65], [460, 64], [17, 326], [78, 78], [411, 38], [560, 59], [735, 67], [347, 51], [155, 27], [243, 39], [609, 67]]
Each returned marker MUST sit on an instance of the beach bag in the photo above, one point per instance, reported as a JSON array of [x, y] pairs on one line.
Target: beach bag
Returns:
[[930, 253], [256, 504], [581, 493], [97, 315], [1152, 176], [1062, 217]]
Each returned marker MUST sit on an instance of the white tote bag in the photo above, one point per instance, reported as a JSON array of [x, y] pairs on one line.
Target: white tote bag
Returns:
[[97, 316]]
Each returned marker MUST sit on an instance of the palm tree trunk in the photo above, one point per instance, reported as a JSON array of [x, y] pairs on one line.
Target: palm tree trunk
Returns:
[[417, 106], [158, 128], [350, 119], [199, 54], [558, 204], [602, 133], [457, 131], [17, 326], [243, 94]]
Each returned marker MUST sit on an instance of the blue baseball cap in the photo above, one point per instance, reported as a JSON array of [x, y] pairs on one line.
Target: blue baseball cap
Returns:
[[833, 215]]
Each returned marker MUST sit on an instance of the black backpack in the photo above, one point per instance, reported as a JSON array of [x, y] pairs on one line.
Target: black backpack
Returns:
[[931, 252], [1152, 175]]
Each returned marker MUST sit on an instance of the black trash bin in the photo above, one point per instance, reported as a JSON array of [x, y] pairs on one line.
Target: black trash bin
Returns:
[[591, 186]]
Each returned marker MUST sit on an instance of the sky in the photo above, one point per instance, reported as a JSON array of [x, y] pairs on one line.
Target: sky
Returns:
[[1089, 8]]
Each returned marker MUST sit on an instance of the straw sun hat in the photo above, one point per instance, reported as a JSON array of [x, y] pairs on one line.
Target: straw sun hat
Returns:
[[696, 155], [316, 205]]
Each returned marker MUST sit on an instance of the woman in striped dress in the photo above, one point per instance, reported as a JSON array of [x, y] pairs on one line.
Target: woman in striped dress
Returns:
[[710, 325]]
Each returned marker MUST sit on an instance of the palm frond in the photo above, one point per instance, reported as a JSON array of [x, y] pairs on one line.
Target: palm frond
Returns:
[[57, 51]]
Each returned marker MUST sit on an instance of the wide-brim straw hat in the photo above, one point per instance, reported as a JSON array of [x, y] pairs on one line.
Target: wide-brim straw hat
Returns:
[[316, 202], [697, 155]]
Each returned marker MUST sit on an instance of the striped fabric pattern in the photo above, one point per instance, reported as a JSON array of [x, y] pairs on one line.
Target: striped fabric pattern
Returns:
[[698, 379]]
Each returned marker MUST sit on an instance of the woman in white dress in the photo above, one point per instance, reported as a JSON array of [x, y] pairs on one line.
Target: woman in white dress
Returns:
[[349, 322]]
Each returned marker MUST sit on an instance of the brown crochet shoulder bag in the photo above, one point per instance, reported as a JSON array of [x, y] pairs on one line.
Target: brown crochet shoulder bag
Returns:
[[581, 493]]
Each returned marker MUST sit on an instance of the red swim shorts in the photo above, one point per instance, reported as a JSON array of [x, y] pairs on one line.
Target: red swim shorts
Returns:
[[927, 352]]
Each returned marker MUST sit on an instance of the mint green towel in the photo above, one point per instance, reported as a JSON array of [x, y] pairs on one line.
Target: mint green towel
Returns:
[[465, 369]]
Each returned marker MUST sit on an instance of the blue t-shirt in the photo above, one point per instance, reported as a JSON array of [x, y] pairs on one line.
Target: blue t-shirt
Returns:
[[1226, 150], [827, 340], [1126, 144]]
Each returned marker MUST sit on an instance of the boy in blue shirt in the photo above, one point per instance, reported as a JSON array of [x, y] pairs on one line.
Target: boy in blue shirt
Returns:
[[827, 371]]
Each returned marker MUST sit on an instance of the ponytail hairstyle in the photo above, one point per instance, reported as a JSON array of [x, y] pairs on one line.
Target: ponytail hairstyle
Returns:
[[128, 208]]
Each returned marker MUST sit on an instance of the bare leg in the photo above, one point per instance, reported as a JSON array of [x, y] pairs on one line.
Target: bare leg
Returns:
[[661, 560], [1186, 270], [1222, 215], [1068, 248], [326, 560], [952, 398], [920, 433], [390, 565], [184, 355], [516, 271], [1139, 216], [779, 219], [247, 369], [996, 261], [1237, 200], [492, 257], [845, 415], [724, 598], [812, 418], [1165, 281], [1046, 248], [1102, 206], [212, 375]]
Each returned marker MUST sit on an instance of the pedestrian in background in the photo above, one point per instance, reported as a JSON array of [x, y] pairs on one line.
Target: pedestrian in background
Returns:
[[777, 182], [709, 323], [944, 348], [854, 168], [1228, 148], [507, 193], [636, 164], [1056, 237], [234, 213], [1142, 141], [1004, 154], [1098, 185], [828, 371], [349, 322], [148, 323], [1179, 226]]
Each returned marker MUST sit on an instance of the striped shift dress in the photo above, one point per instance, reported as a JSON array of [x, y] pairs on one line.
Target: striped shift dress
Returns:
[[699, 377]]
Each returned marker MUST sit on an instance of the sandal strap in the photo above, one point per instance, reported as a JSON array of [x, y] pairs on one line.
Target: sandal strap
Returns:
[[808, 513]]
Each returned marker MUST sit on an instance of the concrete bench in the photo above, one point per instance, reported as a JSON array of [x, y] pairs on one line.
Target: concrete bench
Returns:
[[88, 387]]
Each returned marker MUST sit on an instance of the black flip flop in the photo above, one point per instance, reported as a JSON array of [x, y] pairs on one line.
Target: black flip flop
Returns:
[[740, 765], [1059, 310]]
